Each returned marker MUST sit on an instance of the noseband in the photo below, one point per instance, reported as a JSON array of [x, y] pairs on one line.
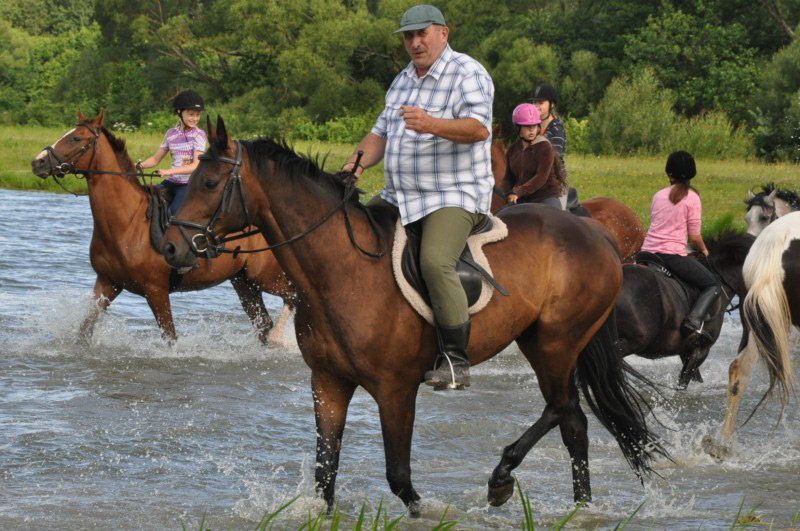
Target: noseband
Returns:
[[215, 245]]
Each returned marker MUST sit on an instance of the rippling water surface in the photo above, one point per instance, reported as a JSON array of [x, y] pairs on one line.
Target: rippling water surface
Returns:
[[130, 432]]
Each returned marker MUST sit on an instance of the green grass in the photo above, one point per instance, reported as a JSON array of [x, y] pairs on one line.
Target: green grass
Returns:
[[723, 185]]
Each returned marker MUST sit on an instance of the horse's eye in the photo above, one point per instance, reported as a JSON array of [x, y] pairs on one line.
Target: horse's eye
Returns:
[[76, 139], [210, 184], [764, 218]]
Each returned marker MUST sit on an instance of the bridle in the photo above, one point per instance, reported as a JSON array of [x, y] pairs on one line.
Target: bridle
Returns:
[[215, 245], [67, 166], [725, 284]]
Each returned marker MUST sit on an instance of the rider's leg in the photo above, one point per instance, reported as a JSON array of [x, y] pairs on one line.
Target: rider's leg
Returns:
[[179, 191], [554, 202], [693, 272], [444, 235]]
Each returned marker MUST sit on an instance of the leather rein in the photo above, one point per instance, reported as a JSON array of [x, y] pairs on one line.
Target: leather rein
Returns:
[[214, 245]]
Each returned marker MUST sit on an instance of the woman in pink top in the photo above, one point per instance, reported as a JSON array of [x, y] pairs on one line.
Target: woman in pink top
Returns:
[[675, 218], [186, 142]]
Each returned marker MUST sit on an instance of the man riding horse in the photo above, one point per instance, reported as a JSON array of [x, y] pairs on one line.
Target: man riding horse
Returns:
[[434, 135]]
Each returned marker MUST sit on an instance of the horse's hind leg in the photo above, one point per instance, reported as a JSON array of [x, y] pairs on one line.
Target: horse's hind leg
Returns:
[[253, 304], [574, 434], [331, 398], [278, 331], [104, 293]]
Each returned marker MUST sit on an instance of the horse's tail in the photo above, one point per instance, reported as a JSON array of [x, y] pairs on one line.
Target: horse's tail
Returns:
[[766, 310], [603, 376]]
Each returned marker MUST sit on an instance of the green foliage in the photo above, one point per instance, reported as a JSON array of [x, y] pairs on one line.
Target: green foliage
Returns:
[[706, 64], [577, 135], [582, 85], [634, 117], [777, 114], [710, 136]]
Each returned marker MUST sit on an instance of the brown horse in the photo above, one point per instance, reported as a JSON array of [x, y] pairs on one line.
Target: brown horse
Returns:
[[355, 329], [620, 220], [121, 253]]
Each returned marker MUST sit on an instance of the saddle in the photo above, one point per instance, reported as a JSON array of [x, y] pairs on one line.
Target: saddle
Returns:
[[473, 266], [574, 206], [158, 214]]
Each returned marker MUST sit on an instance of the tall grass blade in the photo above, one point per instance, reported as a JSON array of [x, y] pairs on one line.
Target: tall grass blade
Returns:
[[628, 520]]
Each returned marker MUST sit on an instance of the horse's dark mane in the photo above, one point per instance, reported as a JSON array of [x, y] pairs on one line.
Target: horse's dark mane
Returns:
[[784, 194], [295, 166], [121, 152], [730, 244]]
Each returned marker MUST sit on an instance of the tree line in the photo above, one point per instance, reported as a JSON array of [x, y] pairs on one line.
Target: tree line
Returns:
[[720, 77]]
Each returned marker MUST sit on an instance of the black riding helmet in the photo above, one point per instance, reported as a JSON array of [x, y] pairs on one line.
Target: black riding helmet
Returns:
[[188, 99], [544, 92], [680, 166]]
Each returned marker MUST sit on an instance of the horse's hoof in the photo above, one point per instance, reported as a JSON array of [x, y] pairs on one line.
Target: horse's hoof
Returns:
[[413, 509], [500, 491], [717, 449]]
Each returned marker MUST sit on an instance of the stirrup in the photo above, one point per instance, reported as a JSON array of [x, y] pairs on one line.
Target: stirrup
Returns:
[[435, 379]]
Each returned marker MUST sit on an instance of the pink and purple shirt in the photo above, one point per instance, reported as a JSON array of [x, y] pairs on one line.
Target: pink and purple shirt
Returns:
[[183, 145], [671, 225]]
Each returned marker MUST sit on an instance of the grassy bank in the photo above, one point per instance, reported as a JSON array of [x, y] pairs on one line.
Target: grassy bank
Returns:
[[723, 185]]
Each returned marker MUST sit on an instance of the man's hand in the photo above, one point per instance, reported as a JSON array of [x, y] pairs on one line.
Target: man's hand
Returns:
[[417, 119], [512, 199]]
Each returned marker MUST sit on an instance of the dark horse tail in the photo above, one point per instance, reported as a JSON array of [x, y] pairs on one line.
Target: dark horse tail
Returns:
[[603, 377]]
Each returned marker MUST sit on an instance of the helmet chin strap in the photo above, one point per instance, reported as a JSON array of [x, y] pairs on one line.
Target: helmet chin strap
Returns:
[[179, 112]]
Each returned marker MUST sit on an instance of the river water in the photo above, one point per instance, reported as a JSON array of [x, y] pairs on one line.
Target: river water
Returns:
[[131, 432]]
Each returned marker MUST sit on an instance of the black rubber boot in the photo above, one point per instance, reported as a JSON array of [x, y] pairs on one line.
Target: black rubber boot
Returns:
[[451, 370], [693, 324]]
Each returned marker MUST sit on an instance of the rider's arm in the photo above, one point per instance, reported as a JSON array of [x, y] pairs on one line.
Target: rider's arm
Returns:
[[189, 168], [153, 160], [373, 147], [697, 242]]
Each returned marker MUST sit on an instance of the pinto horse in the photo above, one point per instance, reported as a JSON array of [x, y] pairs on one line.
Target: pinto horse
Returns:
[[620, 220], [772, 305], [121, 252], [768, 205], [354, 327], [651, 306]]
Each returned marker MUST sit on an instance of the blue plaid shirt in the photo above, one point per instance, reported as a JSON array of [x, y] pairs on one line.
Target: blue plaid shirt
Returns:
[[425, 172]]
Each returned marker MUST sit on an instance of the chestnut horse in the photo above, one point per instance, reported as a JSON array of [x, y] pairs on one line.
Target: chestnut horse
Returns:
[[121, 253], [770, 309], [620, 220], [355, 329]]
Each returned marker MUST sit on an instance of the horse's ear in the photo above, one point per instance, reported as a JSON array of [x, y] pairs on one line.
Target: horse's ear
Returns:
[[222, 133], [212, 133], [750, 194], [81, 117], [772, 194], [98, 120]]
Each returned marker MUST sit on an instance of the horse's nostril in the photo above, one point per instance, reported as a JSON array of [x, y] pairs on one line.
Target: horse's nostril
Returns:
[[169, 249]]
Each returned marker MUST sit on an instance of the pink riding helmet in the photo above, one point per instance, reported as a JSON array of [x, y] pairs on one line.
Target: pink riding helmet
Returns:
[[526, 114]]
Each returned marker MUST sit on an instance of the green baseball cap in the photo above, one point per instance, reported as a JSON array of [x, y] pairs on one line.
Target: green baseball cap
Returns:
[[419, 17]]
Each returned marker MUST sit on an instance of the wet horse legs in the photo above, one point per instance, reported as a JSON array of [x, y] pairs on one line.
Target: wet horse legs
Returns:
[[104, 293], [397, 410], [331, 398], [253, 304]]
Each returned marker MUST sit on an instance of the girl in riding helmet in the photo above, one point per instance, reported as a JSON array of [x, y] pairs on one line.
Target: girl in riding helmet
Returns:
[[675, 217], [186, 142], [533, 170], [544, 97]]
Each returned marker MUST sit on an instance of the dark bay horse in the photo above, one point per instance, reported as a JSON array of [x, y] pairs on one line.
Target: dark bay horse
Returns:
[[651, 306], [770, 309], [620, 220], [355, 329], [121, 252]]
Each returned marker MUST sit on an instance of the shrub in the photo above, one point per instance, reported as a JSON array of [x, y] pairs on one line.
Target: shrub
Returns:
[[577, 135], [635, 116], [711, 136]]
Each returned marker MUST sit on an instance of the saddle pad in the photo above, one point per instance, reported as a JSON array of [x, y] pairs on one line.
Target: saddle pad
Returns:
[[475, 242]]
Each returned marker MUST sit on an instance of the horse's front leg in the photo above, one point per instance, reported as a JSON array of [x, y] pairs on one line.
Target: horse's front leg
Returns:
[[691, 366], [104, 293], [397, 407], [158, 300], [332, 396]]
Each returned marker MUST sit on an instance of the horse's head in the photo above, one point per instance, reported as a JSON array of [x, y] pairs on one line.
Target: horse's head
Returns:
[[760, 209], [215, 202], [74, 150]]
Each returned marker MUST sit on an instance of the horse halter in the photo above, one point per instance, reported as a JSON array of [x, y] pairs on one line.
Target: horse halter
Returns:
[[67, 165], [214, 245]]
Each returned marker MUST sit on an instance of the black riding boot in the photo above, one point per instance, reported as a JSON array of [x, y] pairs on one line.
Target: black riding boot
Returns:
[[692, 326], [451, 370]]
